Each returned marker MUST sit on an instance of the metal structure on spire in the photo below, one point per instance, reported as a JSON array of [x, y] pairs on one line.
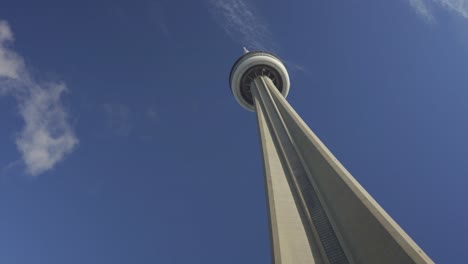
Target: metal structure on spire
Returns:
[[318, 213]]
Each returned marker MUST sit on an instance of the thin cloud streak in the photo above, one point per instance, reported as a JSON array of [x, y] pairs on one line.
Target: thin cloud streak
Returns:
[[158, 16], [240, 22], [424, 7], [46, 137], [152, 113], [459, 6]]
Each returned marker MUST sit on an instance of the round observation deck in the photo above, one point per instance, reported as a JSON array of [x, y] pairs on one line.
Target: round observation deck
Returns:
[[254, 64]]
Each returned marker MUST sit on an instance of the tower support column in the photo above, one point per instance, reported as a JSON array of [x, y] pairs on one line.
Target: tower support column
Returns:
[[318, 212]]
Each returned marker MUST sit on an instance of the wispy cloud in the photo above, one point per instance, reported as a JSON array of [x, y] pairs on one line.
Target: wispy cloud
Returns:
[[152, 113], [424, 7], [241, 22], [118, 118], [458, 6], [10, 63], [46, 137], [157, 15]]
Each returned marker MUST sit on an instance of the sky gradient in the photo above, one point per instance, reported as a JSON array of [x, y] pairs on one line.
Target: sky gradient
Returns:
[[120, 141]]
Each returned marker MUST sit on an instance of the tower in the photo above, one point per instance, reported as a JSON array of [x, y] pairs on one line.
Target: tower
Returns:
[[318, 213]]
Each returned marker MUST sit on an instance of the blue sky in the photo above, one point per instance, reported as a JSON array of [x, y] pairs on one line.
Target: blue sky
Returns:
[[121, 142]]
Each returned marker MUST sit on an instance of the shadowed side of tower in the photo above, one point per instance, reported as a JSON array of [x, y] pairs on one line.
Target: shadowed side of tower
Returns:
[[318, 212]]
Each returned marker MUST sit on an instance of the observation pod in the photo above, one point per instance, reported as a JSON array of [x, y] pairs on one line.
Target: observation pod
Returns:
[[318, 212], [251, 65]]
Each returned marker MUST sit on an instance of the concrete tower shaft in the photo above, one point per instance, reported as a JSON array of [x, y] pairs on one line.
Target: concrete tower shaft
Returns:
[[318, 212]]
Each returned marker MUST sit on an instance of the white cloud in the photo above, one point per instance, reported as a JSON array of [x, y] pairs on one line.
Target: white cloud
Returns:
[[242, 24], [46, 137], [424, 7], [10, 63]]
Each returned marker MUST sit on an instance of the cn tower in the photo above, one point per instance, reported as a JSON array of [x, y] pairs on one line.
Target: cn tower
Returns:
[[318, 212]]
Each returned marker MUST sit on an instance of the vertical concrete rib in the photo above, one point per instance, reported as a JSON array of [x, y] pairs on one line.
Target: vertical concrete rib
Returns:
[[316, 224], [289, 239]]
